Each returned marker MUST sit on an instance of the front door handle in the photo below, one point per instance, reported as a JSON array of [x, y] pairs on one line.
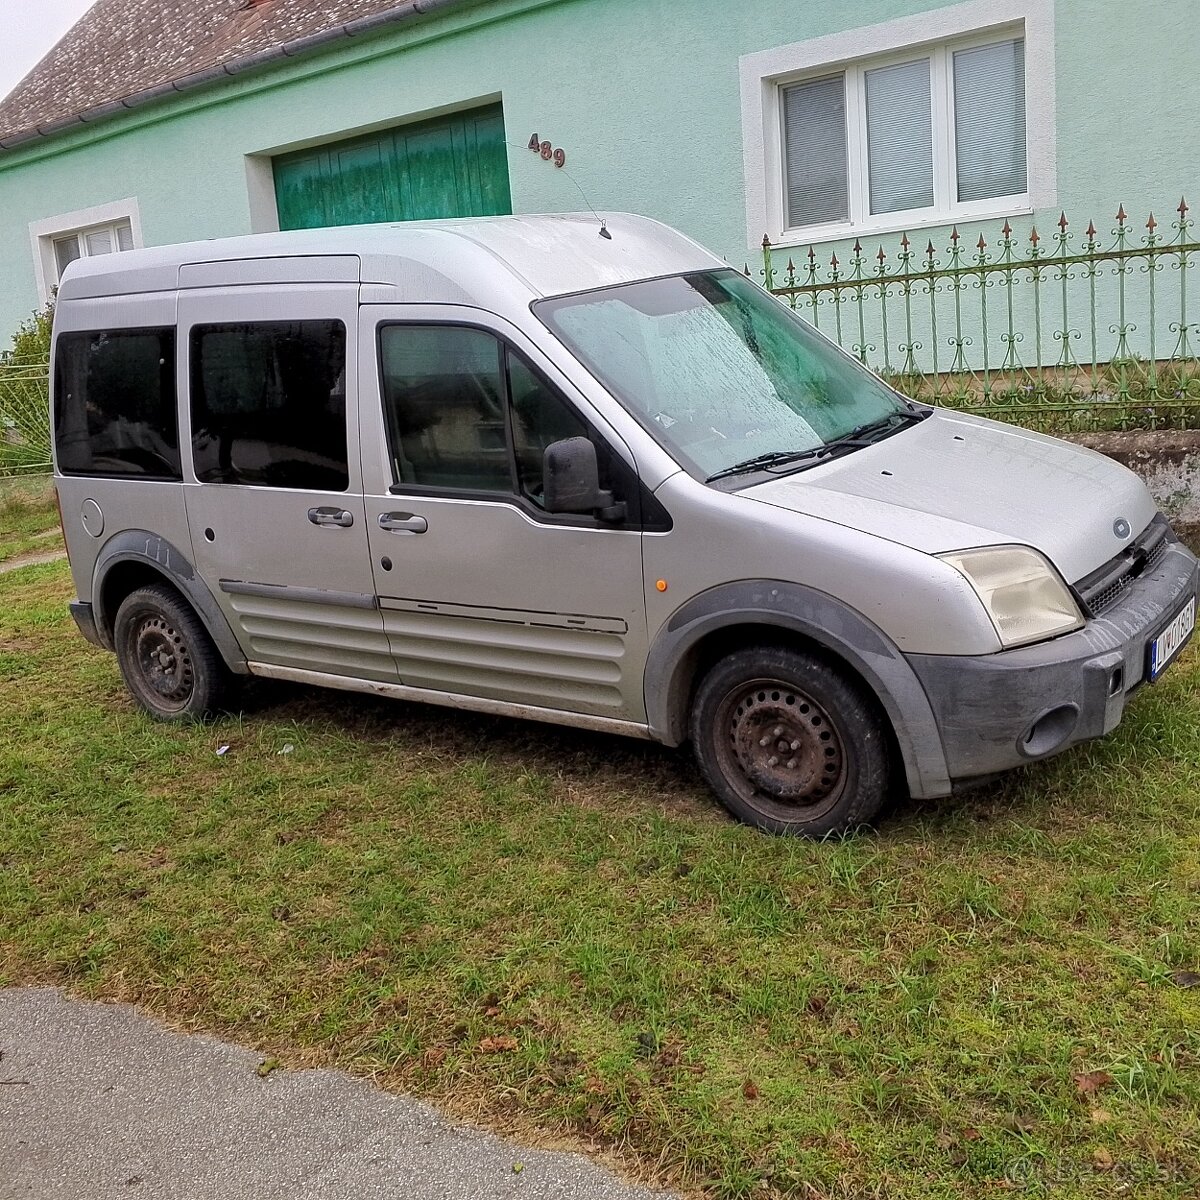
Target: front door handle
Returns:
[[331, 516], [401, 522]]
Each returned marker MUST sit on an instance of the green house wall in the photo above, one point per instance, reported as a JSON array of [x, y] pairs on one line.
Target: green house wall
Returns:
[[642, 96]]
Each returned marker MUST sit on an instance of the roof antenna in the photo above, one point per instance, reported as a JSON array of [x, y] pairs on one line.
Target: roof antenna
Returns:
[[604, 233]]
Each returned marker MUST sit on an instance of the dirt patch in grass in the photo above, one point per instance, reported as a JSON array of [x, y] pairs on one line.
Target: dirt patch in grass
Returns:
[[559, 933]]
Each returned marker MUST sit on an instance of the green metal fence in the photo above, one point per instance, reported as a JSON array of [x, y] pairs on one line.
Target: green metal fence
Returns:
[[1073, 332], [24, 419]]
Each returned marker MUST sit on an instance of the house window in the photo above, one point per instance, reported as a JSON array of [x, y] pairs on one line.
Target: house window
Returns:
[[59, 240], [940, 116], [927, 135], [87, 243]]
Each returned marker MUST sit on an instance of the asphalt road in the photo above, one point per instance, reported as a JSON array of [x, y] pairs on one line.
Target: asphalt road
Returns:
[[97, 1101]]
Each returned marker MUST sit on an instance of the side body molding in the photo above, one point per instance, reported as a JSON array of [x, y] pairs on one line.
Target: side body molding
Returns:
[[820, 618], [146, 549]]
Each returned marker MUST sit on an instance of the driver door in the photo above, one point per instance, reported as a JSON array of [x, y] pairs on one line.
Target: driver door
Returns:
[[483, 593]]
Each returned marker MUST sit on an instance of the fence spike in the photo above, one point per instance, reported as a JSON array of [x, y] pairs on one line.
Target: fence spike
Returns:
[[791, 267], [766, 242], [1034, 237], [1063, 222], [1121, 218], [929, 249], [812, 255], [1091, 231], [833, 262], [954, 235], [1183, 208], [746, 270], [981, 244], [881, 256], [857, 246], [904, 240], [1152, 224], [1006, 228]]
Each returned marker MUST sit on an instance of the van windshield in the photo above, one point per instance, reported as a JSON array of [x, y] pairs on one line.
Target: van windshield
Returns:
[[725, 376]]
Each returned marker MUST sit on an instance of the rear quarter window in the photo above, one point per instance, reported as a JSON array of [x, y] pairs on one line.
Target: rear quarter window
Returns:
[[268, 404], [114, 404]]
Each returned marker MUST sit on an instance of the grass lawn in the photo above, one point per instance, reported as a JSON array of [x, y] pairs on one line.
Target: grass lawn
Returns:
[[560, 934], [28, 517]]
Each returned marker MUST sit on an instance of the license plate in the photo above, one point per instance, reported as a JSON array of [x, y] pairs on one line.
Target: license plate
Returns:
[[1172, 639]]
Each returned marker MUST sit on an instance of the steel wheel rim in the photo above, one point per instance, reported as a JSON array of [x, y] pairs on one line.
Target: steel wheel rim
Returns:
[[780, 749], [163, 662]]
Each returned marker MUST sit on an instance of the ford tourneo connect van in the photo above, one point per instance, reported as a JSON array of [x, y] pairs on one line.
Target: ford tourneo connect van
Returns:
[[590, 475]]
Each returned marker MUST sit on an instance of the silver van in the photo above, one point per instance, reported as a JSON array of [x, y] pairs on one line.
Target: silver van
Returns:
[[587, 474]]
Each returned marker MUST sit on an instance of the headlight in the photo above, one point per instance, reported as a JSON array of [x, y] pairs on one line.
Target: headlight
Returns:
[[1023, 594]]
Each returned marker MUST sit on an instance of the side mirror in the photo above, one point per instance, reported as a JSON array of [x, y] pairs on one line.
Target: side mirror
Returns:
[[571, 481]]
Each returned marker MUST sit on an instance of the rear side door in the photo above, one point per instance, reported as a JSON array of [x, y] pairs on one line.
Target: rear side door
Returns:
[[483, 593], [273, 486]]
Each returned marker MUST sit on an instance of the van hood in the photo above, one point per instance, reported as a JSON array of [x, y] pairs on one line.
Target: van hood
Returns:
[[956, 481]]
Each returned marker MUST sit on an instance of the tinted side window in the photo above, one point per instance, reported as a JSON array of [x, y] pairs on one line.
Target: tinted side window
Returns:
[[269, 404], [114, 404], [443, 391]]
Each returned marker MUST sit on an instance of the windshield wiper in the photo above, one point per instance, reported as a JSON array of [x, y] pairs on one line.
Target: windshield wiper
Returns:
[[869, 431], [773, 458], [861, 435]]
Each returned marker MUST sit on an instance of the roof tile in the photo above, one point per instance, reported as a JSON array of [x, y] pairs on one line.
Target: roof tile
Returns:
[[122, 47]]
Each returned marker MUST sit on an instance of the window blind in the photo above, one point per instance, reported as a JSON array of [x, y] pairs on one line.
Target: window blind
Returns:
[[66, 251], [989, 120], [899, 137], [814, 134], [99, 241]]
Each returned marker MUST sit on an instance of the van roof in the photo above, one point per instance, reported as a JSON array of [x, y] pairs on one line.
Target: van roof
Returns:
[[453, 261]]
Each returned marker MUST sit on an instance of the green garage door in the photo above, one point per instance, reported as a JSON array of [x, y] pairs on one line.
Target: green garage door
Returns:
[[454, 166]]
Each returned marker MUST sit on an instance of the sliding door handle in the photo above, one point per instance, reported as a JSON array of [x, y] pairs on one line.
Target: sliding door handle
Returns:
[[402, 522], [331, 516]]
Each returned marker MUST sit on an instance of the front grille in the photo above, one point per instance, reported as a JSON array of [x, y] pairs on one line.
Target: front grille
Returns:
[[1100, 590]]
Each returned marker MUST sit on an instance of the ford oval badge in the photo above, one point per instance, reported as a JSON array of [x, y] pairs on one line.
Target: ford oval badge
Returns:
[[1121, 528]]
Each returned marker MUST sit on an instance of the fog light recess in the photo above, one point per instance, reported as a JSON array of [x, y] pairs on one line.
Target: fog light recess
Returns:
[[1050, 731]]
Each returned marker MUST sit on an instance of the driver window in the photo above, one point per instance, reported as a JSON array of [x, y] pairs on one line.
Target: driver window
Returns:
[[443, 390], [539, 416]]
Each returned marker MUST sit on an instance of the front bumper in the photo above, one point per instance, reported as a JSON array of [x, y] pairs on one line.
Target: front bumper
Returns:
[[997, 711]]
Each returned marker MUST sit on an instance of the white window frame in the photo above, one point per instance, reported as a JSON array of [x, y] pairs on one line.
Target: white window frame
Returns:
[[42, 235], [935, 35]]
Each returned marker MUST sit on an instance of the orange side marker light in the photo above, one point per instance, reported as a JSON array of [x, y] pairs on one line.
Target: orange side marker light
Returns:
[[661, 585]]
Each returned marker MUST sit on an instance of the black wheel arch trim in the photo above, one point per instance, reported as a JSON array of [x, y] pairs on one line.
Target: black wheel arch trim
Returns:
[[167, 560], [821, 618]]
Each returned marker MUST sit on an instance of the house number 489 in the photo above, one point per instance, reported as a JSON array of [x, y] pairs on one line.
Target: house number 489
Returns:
[[556, 155]]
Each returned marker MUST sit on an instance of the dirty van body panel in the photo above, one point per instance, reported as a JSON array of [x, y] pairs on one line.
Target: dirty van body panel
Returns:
[[955, 481], [122, 505], [782, 610], [141, 548], [809, 580], [719, 538], [481, 595], [277, 533]]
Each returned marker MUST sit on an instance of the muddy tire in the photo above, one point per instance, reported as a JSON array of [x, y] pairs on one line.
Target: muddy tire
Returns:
[[789, 744], [168, 661]]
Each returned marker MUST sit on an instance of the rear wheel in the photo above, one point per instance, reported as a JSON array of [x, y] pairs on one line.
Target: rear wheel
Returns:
[[789, 744], [167, 659]]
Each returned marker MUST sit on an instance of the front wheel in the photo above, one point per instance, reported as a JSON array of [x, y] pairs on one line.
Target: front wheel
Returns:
[[789, 744], [167, 659]]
